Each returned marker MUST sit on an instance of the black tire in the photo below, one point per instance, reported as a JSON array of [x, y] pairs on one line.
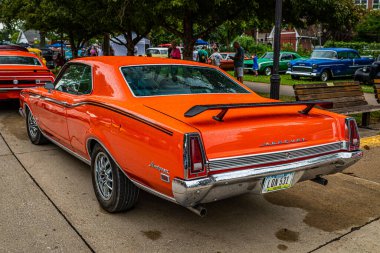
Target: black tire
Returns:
[[325, 76], [267, 71], [34, 132], [295, 77], [123, 194]]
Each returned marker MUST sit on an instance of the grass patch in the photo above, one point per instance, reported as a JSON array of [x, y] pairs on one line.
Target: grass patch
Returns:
[[282, 97], [287, 80], [375, 117]]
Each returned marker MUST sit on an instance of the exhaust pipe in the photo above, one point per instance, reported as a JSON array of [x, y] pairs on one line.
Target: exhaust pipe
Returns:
[[320, 180], [199, 210]]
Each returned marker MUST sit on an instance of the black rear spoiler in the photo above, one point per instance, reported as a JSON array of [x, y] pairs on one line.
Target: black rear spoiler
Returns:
[[198, 109]]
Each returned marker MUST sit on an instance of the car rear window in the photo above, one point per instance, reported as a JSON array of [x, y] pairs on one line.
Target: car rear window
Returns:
[[158, 80], [19, 60]]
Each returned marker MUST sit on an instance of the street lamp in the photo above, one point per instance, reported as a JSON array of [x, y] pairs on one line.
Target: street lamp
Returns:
[[275, 79]]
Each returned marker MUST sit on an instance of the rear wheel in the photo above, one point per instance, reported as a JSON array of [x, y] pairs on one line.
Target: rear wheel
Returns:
[[325, 76], [268, 71], [34, 133], [114, 191]]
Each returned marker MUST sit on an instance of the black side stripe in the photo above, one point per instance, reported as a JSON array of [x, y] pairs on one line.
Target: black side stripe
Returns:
[[105, 106]]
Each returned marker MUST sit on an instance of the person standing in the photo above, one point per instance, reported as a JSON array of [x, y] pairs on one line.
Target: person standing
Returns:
[[238, 61], [255, 65], [202, 55], [216, 58], [195, 54], [175, 52]]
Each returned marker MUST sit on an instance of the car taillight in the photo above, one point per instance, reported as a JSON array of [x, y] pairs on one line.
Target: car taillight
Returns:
[[352, 134], [195, 160]]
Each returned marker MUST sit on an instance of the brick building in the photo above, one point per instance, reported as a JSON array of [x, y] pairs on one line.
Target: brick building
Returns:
[[369, 4]]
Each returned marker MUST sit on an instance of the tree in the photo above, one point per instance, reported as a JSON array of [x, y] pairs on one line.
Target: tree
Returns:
[[128, 17], [190, 20], [369, 27]]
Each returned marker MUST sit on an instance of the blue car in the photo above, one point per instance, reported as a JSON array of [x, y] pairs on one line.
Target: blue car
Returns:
[[328, 63]]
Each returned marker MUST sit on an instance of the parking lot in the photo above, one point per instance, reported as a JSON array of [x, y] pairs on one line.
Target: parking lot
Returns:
[[47, 205]]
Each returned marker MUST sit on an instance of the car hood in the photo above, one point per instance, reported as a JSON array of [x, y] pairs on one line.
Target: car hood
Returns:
[[310, 62], [246, 131]]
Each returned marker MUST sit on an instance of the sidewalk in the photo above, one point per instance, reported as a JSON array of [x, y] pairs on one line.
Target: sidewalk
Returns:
[[287, 90]]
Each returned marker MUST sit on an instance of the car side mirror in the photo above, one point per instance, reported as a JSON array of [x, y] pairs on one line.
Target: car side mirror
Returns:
[[49, 86]]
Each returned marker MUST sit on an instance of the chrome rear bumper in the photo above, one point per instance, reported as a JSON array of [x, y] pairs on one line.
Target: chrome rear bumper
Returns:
[[228, 184]]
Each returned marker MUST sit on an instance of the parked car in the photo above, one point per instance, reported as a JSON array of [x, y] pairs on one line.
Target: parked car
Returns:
[[19, 70], [227, 62], [48, 54], [184, 131], [265, 62], [157, 52], [37, 52], [328, 63], [367, 75]]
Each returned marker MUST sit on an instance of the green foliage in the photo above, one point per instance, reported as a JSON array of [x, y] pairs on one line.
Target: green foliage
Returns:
[[369, 27], [364, 48], [249, 44]]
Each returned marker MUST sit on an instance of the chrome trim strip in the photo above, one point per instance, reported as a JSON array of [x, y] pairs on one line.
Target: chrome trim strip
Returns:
[[17, 88], [138, 184], [86, 161], [108, 107], [59, 144], [178, 64], [193, 192], [271, 157]]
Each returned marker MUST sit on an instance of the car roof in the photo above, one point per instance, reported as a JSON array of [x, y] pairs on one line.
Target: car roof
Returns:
[[157, 48], [337, 49], [119, 61], [16, 53]]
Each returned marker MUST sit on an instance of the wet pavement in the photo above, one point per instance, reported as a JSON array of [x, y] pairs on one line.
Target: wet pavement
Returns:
[[47, 205]]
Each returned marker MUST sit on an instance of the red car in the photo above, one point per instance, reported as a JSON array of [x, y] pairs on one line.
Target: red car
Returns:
[[20, 70], [227, 63]]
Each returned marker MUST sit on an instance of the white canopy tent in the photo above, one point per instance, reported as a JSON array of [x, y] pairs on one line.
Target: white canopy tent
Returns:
[[120, 50]]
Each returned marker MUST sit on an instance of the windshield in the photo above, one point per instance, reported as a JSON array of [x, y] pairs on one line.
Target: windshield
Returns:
[[268, 55], [19, 60], [324, 54], [156, 80]]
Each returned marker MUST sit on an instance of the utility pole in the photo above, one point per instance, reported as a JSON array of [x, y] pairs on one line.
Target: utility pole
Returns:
[[275, 79]]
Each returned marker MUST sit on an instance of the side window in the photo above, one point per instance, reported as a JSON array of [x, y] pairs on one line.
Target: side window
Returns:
[[342, 55], [353, 55], [76, 79], [286, 57]]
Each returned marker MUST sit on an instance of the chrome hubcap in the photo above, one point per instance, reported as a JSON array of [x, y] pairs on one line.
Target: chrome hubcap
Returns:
[[268, 71], [103, 175], [324, 76], [32, 126]]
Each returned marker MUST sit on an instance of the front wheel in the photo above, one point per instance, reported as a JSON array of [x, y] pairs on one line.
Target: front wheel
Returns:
[[325, 76], [34, 133], [114, 191], [268, 71]]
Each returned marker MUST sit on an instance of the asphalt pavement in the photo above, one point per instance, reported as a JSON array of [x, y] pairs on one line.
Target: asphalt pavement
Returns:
[[47, 205]]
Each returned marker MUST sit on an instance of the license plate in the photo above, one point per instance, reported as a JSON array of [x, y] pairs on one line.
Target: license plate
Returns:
[[277, 182]]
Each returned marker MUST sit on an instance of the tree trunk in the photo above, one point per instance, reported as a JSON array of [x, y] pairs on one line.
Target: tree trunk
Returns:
[[74, 49], [106, 44], [42, 39], [130, 44], [188, 37]]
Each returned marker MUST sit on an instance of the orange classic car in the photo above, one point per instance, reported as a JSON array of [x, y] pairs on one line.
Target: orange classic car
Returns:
[[184, 131], [19, 70]]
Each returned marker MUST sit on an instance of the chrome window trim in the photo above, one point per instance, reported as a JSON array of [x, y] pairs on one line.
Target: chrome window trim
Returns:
[[249, 92], [138, 184], [59, 76], [217, 164]]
